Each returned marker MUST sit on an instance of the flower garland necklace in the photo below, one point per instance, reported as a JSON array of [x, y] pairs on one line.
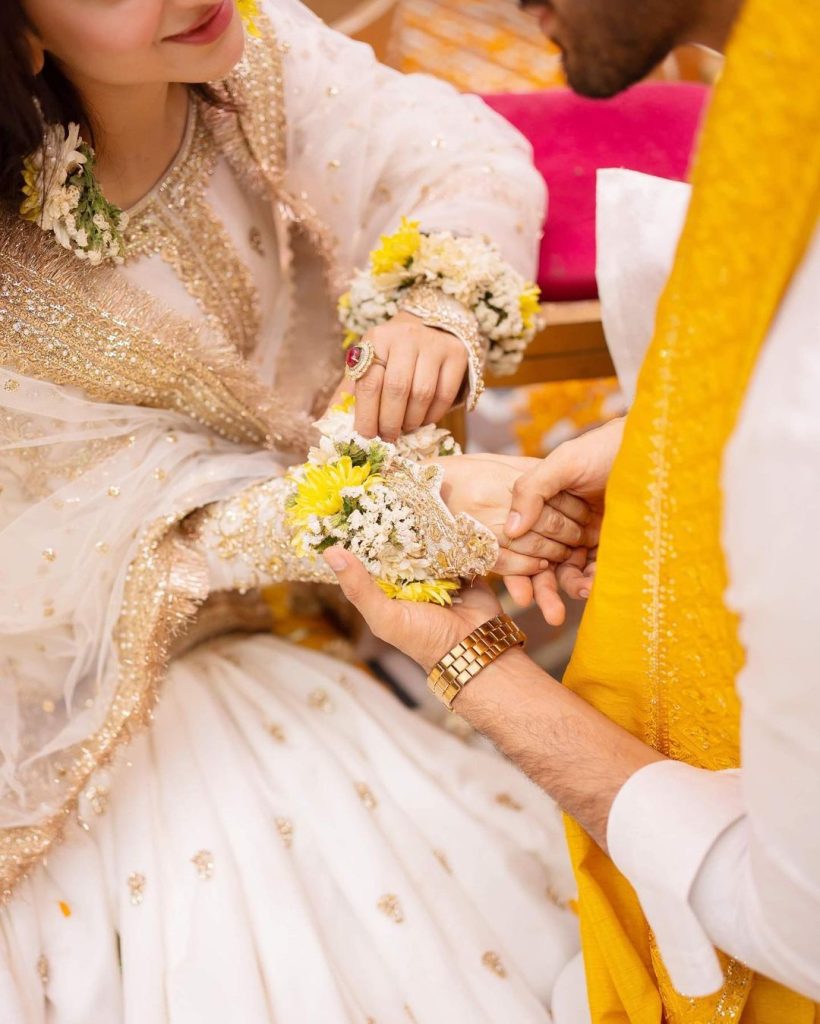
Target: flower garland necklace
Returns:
[[63, 196]]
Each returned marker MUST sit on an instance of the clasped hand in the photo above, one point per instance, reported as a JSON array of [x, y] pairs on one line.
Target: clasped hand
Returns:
[[545, 513]]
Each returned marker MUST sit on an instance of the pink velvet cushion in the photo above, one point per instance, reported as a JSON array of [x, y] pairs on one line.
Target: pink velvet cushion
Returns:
[[650, 128]]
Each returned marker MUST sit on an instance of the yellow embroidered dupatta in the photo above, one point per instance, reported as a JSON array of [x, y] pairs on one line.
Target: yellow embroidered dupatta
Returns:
[[658, 651]]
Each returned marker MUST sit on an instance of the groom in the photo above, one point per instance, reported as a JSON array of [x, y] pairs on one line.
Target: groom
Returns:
[[675, 856]]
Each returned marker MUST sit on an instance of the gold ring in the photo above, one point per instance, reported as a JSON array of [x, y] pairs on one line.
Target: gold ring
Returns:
[[360, 358]]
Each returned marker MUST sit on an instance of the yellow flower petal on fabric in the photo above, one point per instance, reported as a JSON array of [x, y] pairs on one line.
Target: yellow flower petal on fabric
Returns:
[[398, 249], [350, 338], [421, 591], [529, 302], [345, 403], [249, 12], [319, 493]]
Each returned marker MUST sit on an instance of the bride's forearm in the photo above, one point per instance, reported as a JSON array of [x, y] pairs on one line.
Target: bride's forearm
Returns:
[[573, 752], [247, 543]]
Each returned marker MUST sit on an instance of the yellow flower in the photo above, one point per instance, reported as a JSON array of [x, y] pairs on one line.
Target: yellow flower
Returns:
[[32, 205], [344, 302], [529, 304], [396, 250], [319, 493], [249, 12], [423, 591], [345, 403], [350, 338]]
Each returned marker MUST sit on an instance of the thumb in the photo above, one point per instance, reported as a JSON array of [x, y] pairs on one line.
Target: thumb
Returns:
[[360, 589], [532, 490]]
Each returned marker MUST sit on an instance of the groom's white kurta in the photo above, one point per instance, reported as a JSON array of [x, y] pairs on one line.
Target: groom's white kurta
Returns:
[[732, 859]]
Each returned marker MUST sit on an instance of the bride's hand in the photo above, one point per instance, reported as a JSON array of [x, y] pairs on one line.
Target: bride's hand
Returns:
[[424, 372], [482, 486]]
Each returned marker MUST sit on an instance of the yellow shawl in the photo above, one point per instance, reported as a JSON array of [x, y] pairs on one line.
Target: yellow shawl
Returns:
[[658, 651]]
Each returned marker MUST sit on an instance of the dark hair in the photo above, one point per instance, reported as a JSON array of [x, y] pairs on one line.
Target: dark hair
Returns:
[[21, 124]]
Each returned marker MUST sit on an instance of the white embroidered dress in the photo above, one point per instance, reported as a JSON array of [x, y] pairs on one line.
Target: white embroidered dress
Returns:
[[284, 841]]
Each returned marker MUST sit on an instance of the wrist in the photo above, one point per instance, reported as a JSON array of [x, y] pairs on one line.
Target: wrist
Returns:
[[513, 663], [481, 648]]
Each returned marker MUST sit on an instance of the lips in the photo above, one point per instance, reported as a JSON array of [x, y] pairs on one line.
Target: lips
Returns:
[[208, 28]]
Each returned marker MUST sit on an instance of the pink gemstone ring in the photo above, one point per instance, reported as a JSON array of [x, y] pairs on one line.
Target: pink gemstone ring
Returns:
[[359, 358]]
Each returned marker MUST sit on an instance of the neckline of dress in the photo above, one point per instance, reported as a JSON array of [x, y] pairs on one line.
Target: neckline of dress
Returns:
[[177, 161]]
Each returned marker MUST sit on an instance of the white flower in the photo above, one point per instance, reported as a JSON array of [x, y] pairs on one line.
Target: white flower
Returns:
[[67, 203]]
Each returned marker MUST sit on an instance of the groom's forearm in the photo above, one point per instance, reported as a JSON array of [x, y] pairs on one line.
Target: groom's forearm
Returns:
[[580, 757]]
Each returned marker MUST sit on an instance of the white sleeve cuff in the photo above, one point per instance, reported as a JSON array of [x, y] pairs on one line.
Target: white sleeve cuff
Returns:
[[663, 822]]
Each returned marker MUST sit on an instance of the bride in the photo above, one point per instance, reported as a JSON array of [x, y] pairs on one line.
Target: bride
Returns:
[[200, 822]]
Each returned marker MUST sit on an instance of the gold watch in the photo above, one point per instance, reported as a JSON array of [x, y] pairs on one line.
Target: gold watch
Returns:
[[450, 675]]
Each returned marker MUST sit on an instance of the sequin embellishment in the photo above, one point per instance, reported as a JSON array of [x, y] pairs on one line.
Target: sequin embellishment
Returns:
[[389, 905]]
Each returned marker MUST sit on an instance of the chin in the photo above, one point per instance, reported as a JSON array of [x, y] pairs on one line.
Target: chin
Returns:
[[596, 82], [222, 58]]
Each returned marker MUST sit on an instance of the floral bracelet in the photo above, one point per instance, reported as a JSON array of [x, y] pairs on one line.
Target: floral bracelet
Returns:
[[468, 271]]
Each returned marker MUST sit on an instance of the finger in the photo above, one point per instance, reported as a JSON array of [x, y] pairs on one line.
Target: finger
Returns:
[[533, 489], [536, 546], [570, 575], [398, 380], [361, 590], [553, 523], [520, 590], [573, 507], [450, 379], [509, 563], [423, 390], [368, 399], [545, 590]]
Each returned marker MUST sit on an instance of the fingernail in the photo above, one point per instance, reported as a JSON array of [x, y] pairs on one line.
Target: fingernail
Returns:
[[335, 559], [583, 593], [513, 521], [544, 564]]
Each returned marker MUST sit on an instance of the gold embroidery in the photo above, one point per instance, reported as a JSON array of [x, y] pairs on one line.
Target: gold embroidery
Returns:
[[441, 857], [249, 531], [136, 887], [505, 800], [285, 828], [389, 905], [366, 796], [276, 731], [43, 968], [56, 324], [176, 223], [320, 701], [203, 861], [492, 961], [98, 797]]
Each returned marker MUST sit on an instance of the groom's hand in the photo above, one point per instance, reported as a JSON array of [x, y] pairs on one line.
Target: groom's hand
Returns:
[[424, 632], [580, 467]]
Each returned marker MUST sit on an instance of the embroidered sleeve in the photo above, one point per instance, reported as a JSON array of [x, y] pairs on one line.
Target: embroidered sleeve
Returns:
[[247, 544]]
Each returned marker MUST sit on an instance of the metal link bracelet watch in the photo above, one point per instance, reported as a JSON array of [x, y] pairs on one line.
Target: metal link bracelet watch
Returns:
[[450, 674]]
